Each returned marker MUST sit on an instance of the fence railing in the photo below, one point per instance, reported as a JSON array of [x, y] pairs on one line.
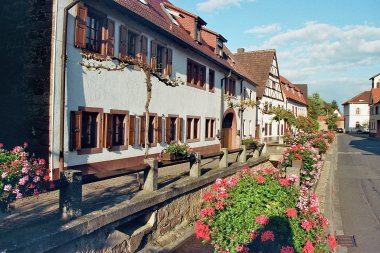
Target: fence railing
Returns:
[[70, 184]]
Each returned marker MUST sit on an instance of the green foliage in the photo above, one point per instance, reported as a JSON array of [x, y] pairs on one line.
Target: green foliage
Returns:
[[177, 149], [316, 105], [321, 144], [249, 142], [280, 113], [331, 121], [306, 124]]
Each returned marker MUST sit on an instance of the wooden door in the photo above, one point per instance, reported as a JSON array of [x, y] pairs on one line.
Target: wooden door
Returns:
[[227, 138]]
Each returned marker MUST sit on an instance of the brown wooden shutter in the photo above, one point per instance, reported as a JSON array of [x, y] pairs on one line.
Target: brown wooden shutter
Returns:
[[167, 130], [144, 49], [159, 129], [108, 130], [164, 61], [180, 129], [104, 37], [111, 37], [169, 67], [132, 130], [126, 129], [75, 130], [153, 54], [99, 121], [123, 42], [80, 26], [156, 132], [142, 131]]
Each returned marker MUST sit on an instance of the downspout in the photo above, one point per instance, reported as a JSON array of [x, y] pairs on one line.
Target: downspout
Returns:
[[222, 83], [241, 112], [63, 85]]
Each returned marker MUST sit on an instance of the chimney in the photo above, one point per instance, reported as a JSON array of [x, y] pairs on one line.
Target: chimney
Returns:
[[240, 50]]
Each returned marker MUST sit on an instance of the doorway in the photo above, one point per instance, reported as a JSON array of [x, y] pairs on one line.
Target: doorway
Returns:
[[229, 129]]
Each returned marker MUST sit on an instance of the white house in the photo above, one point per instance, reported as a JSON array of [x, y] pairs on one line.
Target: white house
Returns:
[[374, 103], [295, 99], [356, 112], [262, 67], [97, 118]]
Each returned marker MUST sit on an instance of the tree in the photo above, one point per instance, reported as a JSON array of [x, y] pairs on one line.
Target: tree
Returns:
[[334, 105], [331, 121], [316, 106], [307, 124]]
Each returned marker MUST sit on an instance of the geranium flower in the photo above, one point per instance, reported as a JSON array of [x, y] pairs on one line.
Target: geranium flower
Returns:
[[306, 224], [242, 248], [221, 195], [206, 212], [207, 196], [7, 187], [260, 179], [284, 181], [267, 235], [262, 219], [4, 174], [1, 145], [287, 249], [202, 231], [291, 212], [308, 248], [219, 205], [332, 241], [253, 235]]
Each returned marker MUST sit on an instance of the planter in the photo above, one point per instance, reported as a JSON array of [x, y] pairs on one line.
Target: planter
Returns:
[[172, 157]]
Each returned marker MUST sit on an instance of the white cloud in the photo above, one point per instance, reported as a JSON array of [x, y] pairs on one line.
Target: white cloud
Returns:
[[333, 59], [264, 29], [213, 5]]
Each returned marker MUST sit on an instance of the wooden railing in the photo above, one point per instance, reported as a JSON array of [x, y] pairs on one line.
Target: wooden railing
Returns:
[[70, 184]]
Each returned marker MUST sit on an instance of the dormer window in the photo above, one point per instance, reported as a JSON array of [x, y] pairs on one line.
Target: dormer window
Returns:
[[198, 33], [219, 48]]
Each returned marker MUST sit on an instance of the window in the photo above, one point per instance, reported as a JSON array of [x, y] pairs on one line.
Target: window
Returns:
[[230, 87], [211, 80], [243, 128], [94, 25], [357, 125], [357, 111], [86, 130], [198, 34], [196, 74], [161, 58], [116, 125], [154, 130], [266, 129], [219, 48], [172, 128], [270, 129], [192, 129], [250, 128], [132, 44], [376, 110], [210, 129]]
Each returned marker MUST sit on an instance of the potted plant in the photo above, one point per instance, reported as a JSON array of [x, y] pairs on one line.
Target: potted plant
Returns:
[[250, 143], [175, 151]]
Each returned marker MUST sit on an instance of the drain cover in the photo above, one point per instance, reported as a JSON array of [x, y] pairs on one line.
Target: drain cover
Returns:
[[346, 240]]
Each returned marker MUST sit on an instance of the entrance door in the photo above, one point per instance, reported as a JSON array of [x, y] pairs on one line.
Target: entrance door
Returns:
[[228, 131]]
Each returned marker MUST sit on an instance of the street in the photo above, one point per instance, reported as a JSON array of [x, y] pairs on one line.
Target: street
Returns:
[[358, 177]]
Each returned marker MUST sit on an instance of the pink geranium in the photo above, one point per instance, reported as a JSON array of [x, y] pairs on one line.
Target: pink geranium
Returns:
[[262, 219], [267, 235]]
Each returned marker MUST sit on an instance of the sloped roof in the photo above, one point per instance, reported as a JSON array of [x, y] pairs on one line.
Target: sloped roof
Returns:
[[156, 16], [257, 65], [374, 76], [362, 98], [236, 65], [375, 94], [289, 93]]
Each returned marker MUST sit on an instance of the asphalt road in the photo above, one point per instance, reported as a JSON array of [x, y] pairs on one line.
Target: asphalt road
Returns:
[[359, 191]]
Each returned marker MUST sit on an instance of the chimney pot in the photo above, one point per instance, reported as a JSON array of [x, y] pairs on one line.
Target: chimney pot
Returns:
[[240, 50]]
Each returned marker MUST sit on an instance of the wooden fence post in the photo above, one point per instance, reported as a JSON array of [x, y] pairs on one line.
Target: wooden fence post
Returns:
[[150, 176], [70, 197]]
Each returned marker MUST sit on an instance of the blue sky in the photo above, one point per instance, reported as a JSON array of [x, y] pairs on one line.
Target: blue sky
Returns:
[[332, 45]]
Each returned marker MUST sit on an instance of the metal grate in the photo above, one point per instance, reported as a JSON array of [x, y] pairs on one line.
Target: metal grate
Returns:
[[346, 240]]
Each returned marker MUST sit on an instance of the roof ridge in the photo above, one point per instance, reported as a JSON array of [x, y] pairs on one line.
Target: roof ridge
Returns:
[[257, 51]]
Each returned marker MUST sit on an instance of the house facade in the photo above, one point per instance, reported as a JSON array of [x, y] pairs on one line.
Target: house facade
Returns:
[[295, 99], [356, 112], [262, 67], [374, 119], [97, 113]]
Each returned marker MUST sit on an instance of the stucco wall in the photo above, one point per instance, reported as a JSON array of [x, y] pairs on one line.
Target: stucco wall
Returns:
[[351, 117]]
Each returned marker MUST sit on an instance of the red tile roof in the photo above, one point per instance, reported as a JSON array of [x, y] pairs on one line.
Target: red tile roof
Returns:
[[362, 98], [257, 65], [156, 15], [288, 87], [375, 94]]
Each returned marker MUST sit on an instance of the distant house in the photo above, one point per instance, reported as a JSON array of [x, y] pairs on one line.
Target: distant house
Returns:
[[374, 120], [262, 68], [356, 112], [295, 99], [323, 118]]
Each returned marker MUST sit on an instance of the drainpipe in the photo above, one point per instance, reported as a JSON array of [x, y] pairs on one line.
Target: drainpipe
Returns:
[[241, 112], [63, 85], [222, 83]]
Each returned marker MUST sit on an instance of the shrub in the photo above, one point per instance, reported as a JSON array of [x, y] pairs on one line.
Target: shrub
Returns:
[[21, 175], [178, 149], [321, 144], [259, 211], [250, 142], [312, 165]]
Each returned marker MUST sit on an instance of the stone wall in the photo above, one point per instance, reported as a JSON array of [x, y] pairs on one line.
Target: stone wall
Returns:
[[25, 73]]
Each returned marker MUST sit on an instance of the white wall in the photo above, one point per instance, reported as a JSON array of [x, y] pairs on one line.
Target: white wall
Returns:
[[351, 117], [127, 91]]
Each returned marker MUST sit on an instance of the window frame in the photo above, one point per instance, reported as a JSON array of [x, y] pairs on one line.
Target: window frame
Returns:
[[211, 81], [125, 144], [211, 125], [192, 137], [176, 130], [99, 132], [197, 81], [137, 37], [155, 130]]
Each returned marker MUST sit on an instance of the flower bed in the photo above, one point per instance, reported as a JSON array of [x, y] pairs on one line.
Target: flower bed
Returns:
[[21, 175], [258, 210]]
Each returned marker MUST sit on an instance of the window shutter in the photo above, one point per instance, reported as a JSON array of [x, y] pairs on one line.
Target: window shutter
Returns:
[[104, 37], [164, 61], [167, 130], [132, 130], [123, 42], [180, 129], [144, 49], [153, 54], [75, 130], [142, 131], [80, 26], [156, 130], [169, 67], [109, 130], [126, 130], [159, 128], [111, 37]]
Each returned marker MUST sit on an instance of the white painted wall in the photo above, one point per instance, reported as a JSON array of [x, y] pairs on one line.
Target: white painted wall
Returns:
[[351, 117], [301, 109], [127, 91]]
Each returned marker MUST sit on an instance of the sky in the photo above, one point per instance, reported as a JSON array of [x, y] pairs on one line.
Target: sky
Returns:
[[331, 45]]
